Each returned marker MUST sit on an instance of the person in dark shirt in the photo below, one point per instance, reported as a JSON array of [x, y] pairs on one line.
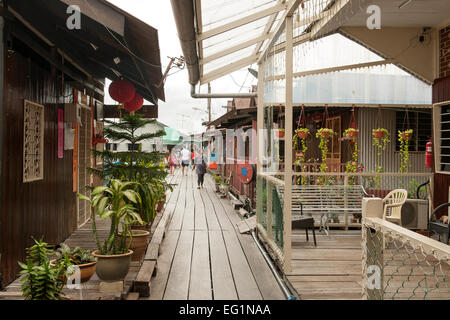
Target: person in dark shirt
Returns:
[[200, 169]]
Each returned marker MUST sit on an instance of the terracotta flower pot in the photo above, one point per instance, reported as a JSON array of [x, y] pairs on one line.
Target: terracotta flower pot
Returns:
[[138, 244], [217, 187], [406, 136], [86, 270], [352, 134], [302, 134], [160, 206], [112, 267], [325, 134], [280, 133], [145, 227], [378, 134]]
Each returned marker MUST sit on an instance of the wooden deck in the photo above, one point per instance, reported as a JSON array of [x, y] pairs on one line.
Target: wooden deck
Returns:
[[203, 256], [332, 270]]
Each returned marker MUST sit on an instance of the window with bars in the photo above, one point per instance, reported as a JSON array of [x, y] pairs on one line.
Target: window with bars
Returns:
[[111, 146], [444, 130], [420, 121]]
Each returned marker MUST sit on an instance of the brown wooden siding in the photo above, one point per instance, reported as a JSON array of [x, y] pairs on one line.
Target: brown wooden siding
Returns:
[[45, 208]]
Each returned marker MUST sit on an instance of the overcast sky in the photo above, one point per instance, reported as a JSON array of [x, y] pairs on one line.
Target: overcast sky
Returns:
[[177, 111]]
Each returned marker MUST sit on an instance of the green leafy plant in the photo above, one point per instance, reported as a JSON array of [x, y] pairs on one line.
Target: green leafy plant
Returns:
[[43, 280], [324, 134], [76, 255], [217, 178], [352, 165], [412, 190], [380, 141], [118, 203], [404, 138], [351, 133], [299, 140]]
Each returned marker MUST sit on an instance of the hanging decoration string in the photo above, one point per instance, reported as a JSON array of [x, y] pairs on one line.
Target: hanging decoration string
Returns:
[[302, 118], [325, 117], [353, 118], [406, 120]]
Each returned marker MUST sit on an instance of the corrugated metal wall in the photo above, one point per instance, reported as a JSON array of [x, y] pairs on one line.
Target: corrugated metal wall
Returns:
[[367, 121]]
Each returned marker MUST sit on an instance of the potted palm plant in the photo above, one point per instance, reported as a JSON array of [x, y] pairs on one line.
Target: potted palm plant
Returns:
[[113, 202], [217, 182]]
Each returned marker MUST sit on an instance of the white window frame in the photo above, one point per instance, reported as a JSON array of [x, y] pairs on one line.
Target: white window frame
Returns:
[[437, 136]]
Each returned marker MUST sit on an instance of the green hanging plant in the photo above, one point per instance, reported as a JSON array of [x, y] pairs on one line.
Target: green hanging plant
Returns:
[[380, 140], [299, 140], [324, 134], [404, 137], [352, 166]]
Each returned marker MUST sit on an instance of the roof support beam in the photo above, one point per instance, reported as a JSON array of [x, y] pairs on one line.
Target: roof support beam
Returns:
[[292, 5], [268, 28], [332, 12], [234, 49], [240, 22], [218, 73]]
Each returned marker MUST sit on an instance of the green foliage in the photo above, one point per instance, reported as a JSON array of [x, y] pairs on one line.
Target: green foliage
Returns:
[[412, 189], [217, 179], [134, 165], [300, 159], [324, 134], [380, 145], [77, 255], [352, 166], [43, 280], [403, 138], [117, 202], [144, 168]]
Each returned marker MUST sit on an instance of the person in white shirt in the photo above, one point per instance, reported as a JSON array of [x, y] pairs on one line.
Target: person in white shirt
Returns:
[[185, 159]]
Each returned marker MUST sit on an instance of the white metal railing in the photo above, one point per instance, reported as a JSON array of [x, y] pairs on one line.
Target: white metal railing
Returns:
[[402, 264]]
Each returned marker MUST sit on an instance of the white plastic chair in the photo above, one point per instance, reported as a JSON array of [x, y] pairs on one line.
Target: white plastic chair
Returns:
[[393, 203]]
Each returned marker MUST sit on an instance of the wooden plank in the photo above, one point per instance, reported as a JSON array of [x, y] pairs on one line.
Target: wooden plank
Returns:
[[178, 282], [327, 254], [223, 288], [200, 215], [177, 218], [158, 284], [211, 218], [144, 278], [200, 287], [221, 215], [133, 296], [246, 286], [189, 211]]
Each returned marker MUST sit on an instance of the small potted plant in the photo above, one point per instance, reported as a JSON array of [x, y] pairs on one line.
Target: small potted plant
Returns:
[[82, 258], [280, 133], [351, 133], [302, 133], [324, 133], [217, 181], [109, 202], [405, 135], [43, 280], [380, 133]]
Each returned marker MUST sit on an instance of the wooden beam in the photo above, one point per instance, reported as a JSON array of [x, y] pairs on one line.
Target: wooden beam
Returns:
[[198, 15], [218, 73], [267, 29], [333, 69], [292, 5], [240, 22], [233, 49], [335, 9], [287, 201]]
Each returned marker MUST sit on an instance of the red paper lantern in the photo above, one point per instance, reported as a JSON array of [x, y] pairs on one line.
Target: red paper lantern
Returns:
[[135, 104], [122, 91]]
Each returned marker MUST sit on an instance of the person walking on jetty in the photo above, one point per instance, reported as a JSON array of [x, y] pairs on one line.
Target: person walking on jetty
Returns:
[[200, 169]]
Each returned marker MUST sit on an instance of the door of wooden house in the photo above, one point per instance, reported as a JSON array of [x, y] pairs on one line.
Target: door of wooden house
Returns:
[[334, 147]]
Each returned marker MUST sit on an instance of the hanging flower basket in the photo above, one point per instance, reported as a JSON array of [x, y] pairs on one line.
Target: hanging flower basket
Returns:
[[325, 133], [351, 133], [379, 133], [280, 133], [405, 135], [302, 133]]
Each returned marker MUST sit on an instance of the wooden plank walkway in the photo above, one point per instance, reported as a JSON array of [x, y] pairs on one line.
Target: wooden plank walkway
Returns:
[[203, 256], [332, 270]]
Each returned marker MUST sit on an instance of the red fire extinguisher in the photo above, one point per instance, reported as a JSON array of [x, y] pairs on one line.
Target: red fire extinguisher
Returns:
[[429, 154]]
